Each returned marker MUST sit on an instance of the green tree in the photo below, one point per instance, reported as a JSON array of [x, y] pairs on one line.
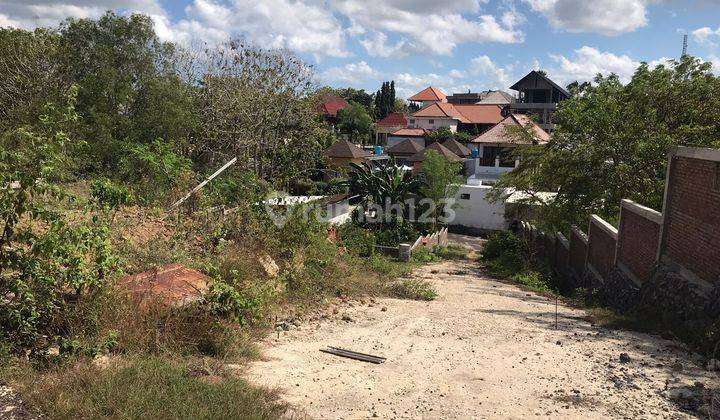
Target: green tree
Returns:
[[31, 75], [355, 122], [389, 185], [258, 105], [117, 62], [48, 264], [385, 100], [611, 141], [440, 180]]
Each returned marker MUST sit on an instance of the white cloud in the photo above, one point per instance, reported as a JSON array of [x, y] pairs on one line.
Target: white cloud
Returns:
[[351, 73], [456, 74], [301, 26], [32, 13], [496, 76], [588, 62], [607, 17], [715, 61], [706, 36], [426, 27]]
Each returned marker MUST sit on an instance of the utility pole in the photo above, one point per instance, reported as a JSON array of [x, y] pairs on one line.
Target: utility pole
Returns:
[[684, 49]]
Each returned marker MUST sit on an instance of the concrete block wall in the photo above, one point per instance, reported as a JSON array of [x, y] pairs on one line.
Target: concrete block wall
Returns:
[[578, 252], [691, 230], [602, 242], [668, 262], [638, 240]]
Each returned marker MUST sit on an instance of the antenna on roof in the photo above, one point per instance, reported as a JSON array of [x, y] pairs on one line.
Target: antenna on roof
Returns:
[[684, 50]]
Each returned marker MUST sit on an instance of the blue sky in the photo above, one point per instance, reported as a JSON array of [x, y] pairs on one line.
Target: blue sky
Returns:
[[452, 44]]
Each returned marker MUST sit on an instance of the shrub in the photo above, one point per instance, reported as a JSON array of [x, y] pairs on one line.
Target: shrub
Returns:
[[500, 243], [424, 255], [49, 267], [223, 299], [109, 195], [397, 232], [358, 241], [415, 289], [451, 252], [154, 169]]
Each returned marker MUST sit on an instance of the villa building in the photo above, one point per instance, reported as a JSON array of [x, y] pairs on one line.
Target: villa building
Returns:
[[538, 96]]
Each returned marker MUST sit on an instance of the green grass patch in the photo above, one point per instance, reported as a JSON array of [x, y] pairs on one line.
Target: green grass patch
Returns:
[[415, 289], [147, 388]]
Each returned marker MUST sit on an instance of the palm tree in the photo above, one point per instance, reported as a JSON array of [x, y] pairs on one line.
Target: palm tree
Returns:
[[386, 184]]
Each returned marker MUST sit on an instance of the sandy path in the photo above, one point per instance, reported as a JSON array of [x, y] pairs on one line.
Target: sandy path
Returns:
[[482, 349]]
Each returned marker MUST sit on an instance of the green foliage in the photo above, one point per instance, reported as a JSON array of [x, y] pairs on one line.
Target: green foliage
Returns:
[[415, 289], [48, 266], [385, 100], [31, 75], [424, 255], [440, 179], [396, 232], [357, 240], [387, 186], [154, 169], [508, 255], [148, 388], [108, 194], [611, 141], [355, 122], [225, 300], [451, 252]]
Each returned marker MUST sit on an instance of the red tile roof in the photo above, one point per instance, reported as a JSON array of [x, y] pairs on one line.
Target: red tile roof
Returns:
[[468, 114], [428, 94], [439, 149], [481, 114], [498, 133], [441, 110], [331, 104], [345, 149], [409, 132], [394, 119]]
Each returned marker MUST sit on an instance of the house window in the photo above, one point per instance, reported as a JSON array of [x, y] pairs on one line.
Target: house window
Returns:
[[464, 196], [716, 183], [431, 121]]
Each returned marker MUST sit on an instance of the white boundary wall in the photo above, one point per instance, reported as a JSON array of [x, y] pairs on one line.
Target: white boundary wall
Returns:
[[477, 211]]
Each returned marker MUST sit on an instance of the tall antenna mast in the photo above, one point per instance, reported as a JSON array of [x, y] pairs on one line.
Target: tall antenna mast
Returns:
[[684, 51]]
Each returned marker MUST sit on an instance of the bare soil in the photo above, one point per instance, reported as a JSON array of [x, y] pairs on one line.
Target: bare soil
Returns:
[[482, 349]]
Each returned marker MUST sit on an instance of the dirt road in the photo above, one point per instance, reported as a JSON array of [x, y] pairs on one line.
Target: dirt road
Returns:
[[482, 349]]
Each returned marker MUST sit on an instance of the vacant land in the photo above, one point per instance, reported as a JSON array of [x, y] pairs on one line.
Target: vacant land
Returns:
[[482, 349]]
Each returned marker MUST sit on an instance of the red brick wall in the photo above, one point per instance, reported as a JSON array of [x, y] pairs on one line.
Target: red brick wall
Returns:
[[601, 249], [578, 252], [638, 241], [692, 230]]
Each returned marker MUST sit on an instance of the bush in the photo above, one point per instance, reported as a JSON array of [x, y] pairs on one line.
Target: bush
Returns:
[[424, 255], [451, 252], [358, 241], [500, 243], [415, 289], [397, 232], [508, 256], [154, 169]]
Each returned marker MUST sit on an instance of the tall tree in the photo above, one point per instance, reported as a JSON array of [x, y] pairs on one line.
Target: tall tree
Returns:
[[257, 105], [355, 122], [119, 65]]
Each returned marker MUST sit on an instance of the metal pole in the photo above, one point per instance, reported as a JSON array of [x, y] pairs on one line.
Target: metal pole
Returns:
[[202, 184]]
